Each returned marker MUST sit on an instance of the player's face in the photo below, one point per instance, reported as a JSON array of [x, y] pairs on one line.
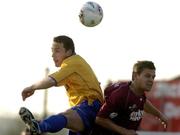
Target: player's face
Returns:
[[145, 79], [59, 53]]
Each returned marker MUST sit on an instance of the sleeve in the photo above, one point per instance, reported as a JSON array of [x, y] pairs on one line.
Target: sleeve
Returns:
[[62, 74], [112, 104]]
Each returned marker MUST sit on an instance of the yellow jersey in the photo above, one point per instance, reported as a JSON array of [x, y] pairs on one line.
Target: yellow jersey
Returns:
[[79, 80]]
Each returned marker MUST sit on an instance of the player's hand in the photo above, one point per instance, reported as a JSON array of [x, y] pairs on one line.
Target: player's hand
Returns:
[[27, 92], [164, 121]]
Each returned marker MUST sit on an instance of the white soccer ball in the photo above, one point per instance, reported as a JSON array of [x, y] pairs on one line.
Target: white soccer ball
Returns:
[[91, 14]]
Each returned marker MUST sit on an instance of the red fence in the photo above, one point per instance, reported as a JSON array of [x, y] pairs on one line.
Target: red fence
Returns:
[[165, 95]]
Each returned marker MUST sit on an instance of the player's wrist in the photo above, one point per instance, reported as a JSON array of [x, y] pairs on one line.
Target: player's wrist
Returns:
[[32, 87], [122, 130]]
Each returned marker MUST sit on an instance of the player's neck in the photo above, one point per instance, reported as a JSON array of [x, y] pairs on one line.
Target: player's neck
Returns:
[[135, 89]]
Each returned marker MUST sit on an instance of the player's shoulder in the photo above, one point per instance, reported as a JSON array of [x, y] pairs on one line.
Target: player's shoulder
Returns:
[[77, 60], [117, 88], [121, 87], [73, 61], [117, 85], [72, 58]]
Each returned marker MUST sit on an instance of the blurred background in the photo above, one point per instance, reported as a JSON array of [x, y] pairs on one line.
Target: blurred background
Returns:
[[130, 31]]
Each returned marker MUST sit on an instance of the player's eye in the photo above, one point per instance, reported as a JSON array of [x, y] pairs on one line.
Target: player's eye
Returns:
[[149, 76]]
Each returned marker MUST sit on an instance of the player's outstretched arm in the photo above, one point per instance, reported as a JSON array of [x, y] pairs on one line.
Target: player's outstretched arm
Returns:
[[43, 84], [108, 124], [151, 109]]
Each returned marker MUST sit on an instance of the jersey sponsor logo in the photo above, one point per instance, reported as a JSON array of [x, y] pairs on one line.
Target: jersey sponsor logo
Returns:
[[113, 115], [116, 85], [134, 106], [136, 115]]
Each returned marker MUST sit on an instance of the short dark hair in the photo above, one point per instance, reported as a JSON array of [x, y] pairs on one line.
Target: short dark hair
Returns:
[[67, 42], [141, 65]]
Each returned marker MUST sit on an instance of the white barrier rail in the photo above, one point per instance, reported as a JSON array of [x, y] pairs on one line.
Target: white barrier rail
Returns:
[[158, 133]]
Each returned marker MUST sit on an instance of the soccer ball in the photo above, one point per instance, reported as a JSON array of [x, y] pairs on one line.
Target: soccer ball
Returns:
[[91, 14]]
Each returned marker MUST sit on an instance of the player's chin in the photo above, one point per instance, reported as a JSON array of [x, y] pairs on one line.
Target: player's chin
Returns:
[[148, 88], [55, 64]]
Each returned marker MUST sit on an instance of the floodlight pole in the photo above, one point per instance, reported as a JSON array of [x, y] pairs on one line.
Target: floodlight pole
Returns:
[[45, 110]]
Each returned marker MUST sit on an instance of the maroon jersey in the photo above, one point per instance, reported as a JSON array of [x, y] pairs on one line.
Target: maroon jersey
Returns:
[[122, 106]]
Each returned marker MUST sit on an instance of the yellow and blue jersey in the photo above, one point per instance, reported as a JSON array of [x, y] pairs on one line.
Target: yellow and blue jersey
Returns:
[[79, 80]]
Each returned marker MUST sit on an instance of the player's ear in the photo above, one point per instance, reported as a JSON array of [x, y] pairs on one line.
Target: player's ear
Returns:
[[69, 52], [134, 75]]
